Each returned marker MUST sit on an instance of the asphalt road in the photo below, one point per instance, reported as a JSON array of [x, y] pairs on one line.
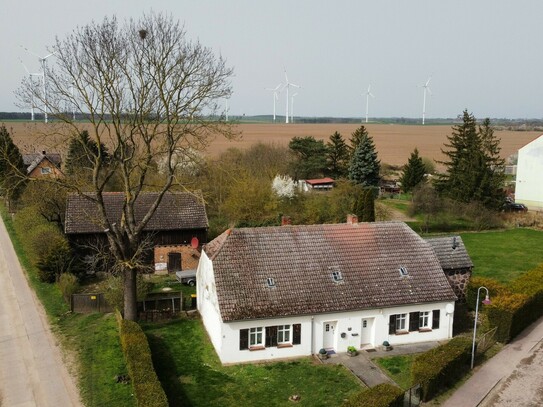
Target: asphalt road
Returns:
[[32, 372], [512, 378]]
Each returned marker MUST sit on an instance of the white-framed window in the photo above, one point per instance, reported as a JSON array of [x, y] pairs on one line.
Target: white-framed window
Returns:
[[424, 320], [256, 337], [401, 322], [46, 170], [284, 334]]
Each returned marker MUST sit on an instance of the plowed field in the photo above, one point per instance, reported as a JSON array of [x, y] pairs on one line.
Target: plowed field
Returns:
[[394, 143]]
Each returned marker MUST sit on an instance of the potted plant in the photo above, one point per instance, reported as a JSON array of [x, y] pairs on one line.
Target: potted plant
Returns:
[[323, 354], [351, 351], [386, 345]]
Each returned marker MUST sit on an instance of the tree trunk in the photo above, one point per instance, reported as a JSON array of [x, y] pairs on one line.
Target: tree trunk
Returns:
[[130, 302]]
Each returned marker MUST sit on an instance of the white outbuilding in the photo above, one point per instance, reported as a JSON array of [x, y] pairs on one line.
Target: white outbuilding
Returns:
[[529, 185]]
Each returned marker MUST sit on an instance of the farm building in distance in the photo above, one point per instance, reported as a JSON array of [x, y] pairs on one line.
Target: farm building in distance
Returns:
[[528, 190]]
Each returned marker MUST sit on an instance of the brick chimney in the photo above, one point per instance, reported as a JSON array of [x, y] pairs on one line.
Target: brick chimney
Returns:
[[285, 220], [352, 219]]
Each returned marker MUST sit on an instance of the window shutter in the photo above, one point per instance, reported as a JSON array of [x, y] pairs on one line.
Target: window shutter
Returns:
[[392, 325], [414, 321], [243, 339], [271, 336], [435, 319], [296, 334]]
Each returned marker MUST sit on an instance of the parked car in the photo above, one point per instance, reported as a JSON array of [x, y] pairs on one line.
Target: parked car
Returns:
[[187, 277], [514, 207]]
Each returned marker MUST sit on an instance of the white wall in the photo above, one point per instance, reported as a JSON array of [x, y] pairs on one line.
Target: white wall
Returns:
[[208, 307], [529, 188], [312, 333]]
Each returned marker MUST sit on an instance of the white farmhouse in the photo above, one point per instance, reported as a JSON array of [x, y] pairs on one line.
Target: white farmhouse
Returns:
[[529, 186], [288, 291]]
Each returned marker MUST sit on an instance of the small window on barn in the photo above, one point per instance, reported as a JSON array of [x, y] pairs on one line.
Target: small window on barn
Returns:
[[270, 282], [403, 271], [46, 170]]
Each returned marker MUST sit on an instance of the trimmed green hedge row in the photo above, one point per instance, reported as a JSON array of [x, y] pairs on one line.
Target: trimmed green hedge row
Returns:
[[147, 387], [382, 395], [441, 367], [513, 308]]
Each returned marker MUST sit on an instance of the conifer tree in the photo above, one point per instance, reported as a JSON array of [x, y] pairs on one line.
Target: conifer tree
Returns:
[[337, 156], [12, 168], [475, 171], [357, 136], [364, 167], [369, 206], [82, 153], [413, 172]]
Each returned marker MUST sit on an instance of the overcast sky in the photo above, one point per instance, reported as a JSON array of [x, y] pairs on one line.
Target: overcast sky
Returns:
[[483, 55]]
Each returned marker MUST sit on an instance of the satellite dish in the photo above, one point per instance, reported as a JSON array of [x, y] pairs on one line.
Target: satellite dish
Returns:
[[194, 243], [449, 308]]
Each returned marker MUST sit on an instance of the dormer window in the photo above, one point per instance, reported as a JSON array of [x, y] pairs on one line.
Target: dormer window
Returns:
[[270, 282], [403, 271]]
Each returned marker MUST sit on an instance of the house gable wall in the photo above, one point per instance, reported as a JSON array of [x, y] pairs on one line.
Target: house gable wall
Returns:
[[529, 169], [208, 305], [44, 164]]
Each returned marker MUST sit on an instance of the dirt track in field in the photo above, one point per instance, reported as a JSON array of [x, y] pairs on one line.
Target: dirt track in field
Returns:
[[394, 143]]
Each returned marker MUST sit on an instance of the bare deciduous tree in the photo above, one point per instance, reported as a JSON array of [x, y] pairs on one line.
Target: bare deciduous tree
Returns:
[[144, 90]]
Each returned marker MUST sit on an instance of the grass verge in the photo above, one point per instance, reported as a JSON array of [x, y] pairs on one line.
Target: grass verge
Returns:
[[90, 343], [192, 374]]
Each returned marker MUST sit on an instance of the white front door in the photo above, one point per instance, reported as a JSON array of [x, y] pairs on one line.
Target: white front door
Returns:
[[329, 335], [366, 336]]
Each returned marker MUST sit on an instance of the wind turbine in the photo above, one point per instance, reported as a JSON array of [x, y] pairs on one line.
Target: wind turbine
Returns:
[[368, 94], [275, 97], [286, 86], [292, 108], [426, 89], [43, 63], [30, 75], [226, 108]]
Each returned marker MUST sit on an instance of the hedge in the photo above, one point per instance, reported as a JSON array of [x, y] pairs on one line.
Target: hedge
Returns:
[[512, 308], [147, 387], [495, 289], [382, 395], [441, 367]]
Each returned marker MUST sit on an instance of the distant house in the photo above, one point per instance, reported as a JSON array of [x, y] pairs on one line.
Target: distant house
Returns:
[[177, 229], [528, 190], [43, 164], [288, 291], [320, 184], [455, 261]]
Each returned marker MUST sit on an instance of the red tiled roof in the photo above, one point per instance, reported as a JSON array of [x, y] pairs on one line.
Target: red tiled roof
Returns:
[[301, 259], [177, 210], [319, 181]]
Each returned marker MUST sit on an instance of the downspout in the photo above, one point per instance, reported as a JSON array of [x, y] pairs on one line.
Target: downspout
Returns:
[[312, 336]]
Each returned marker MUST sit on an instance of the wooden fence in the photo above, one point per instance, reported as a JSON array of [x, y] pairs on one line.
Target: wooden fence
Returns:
[[87, 303]]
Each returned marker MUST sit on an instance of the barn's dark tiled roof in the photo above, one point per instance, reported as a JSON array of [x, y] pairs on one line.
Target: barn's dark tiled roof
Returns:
[[179, 210], [451, 252], [301, 260]]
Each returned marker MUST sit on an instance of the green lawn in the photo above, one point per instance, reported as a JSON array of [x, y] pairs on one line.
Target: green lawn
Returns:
[[95, 339], [398, 368], [191, 374], [504, 255]]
